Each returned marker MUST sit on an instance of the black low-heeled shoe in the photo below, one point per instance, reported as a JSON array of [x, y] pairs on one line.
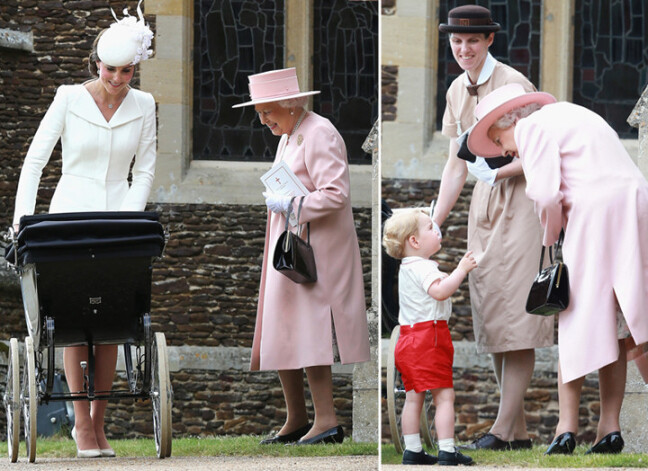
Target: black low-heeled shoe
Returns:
[[564, 444], [287, 438], [526, 444], [612, 443], [487, 441], [332, 435]]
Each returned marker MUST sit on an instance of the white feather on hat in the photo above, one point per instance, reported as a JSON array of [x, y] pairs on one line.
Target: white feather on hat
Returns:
[[127, 41]]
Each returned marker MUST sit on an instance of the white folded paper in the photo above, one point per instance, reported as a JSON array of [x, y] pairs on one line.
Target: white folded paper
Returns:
[[281, 180]]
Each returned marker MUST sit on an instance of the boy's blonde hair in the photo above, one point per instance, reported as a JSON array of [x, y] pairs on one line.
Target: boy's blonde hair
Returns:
[[398, 228]]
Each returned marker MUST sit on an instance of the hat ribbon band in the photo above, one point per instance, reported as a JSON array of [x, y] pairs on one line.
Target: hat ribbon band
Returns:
[[274, 89], [469, 21]]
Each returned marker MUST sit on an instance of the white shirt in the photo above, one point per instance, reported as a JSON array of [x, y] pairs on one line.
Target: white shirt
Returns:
[[415, 277]]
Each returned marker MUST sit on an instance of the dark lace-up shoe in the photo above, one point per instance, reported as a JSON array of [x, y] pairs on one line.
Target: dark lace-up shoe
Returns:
[[453, 459], [488, 441], [564, 444], [412, 457], [610, 444]]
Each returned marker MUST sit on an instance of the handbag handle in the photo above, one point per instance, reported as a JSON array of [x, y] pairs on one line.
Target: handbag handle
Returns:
[[558, 245], [301, 202]]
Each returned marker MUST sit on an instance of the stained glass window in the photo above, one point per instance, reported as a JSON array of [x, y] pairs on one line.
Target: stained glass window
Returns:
[[610, 56], [236, 38], [345, 64], [516, 44], [233, 39]]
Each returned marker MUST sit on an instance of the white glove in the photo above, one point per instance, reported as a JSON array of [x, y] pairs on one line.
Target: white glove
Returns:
[[481, 170], [277, 203]]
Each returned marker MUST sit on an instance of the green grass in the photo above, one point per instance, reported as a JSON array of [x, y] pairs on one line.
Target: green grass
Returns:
[[59, 447], [535, 458]]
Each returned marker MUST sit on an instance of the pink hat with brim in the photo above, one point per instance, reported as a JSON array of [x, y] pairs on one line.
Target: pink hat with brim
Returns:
[[275, 85], [495, 105]]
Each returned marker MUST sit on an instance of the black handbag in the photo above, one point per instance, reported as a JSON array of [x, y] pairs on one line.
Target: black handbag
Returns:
[[293, 256], [550, 290]]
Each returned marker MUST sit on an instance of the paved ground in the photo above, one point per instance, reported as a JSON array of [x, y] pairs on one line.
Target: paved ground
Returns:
[[183, 463], [397, 467]]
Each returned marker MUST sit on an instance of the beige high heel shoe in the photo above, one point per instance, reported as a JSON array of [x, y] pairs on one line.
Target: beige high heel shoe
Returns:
[[92, 453]]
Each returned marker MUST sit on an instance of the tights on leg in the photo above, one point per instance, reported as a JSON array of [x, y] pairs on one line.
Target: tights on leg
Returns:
[[292, 384], [513, 371], [84, 420]]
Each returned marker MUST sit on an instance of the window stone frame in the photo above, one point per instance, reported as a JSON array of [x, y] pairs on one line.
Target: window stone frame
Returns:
[[169, 77]]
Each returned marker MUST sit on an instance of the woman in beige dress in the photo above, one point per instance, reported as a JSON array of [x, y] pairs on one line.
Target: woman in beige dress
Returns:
[[502, 226]]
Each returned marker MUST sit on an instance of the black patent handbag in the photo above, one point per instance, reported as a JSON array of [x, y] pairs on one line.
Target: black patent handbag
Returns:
[[549, 293], [293, 256]]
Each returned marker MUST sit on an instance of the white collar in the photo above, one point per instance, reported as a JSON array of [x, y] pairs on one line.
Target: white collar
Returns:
[[486, 72], [416, 258]]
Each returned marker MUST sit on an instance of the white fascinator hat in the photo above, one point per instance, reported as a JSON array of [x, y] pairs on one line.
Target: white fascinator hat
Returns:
[[127, 41]]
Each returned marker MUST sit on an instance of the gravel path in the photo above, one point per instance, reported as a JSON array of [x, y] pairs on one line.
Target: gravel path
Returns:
[[399, 467], [211, 463]]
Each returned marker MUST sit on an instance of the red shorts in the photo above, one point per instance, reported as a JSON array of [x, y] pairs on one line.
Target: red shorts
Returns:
[[424, 355]]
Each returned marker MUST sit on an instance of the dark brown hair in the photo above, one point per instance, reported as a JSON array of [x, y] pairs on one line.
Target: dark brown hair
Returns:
[[93, 58]]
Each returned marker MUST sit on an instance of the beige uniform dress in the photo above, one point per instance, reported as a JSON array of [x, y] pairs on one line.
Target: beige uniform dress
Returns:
[[504, 234]]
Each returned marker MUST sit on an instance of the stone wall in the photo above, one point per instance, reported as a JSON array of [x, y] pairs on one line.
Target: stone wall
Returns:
[[477, 395], [204, 288], [204, 293], [402, 193], [389, 95]]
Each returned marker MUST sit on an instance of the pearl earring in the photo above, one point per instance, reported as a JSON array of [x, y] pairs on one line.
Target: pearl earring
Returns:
[[292, 112]]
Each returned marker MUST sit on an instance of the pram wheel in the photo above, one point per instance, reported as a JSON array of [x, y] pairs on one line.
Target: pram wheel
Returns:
[[12, 401], [396, 400], [161, 397], [30, 399]]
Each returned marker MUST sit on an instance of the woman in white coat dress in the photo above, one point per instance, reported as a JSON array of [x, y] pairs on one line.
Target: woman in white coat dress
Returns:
[[298, 326], [104, 125], [581, 179]]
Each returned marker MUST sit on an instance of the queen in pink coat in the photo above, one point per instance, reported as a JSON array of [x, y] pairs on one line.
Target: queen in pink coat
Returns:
[[306, 326], [582, 181]]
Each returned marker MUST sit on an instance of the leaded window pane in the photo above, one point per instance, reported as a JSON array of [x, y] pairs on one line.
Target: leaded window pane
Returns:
[[345, 65], [516, 44], [610, 55], [233, 39], [236, 38]]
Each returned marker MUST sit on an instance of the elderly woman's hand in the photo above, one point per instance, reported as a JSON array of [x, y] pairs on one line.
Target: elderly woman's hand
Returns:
[[277, 203]]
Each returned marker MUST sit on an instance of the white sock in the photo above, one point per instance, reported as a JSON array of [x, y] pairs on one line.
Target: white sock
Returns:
[[447, 444], [413, 442]]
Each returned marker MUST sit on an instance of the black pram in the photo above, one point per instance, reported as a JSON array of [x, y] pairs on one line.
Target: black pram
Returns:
[[86, 280]]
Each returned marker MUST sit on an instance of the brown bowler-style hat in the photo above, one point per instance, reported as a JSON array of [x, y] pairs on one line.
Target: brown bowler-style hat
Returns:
[[469, 19]]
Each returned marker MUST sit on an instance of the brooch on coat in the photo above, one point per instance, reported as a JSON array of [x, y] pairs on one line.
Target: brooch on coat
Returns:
[[300, 139]]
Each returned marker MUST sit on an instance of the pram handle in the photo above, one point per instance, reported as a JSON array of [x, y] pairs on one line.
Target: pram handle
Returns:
[[11, 237]]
